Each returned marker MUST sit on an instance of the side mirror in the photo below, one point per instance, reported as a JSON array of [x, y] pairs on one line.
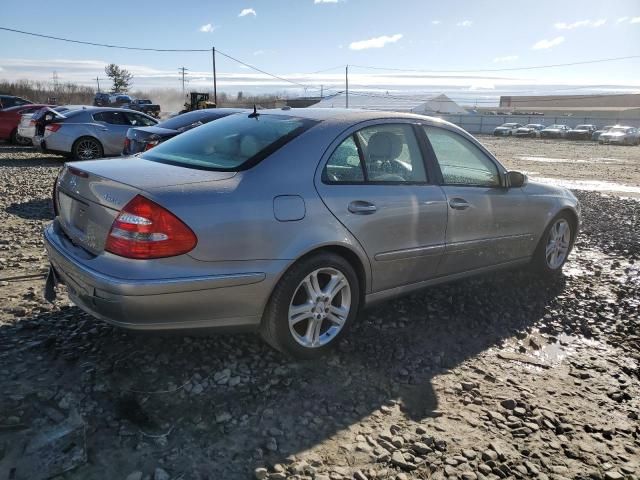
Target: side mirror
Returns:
[[517, 179]]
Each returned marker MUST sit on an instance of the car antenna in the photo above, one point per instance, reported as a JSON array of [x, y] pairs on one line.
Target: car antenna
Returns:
[[255, 112]]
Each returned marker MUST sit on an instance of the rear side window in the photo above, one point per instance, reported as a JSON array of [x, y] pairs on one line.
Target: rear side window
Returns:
[[461, 162], [236, 142], [390, 153]]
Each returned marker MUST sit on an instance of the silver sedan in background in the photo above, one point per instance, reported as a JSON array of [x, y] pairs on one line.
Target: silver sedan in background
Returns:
[[90, 132], [290, 222]]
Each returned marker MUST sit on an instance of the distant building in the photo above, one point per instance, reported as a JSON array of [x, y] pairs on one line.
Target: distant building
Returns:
[[427, 105], [612, 106]]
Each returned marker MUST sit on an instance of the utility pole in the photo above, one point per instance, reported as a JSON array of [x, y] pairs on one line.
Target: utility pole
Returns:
[[55, 81], [215, 80], [183, 70], [98, 81], [346, 82], [321, 91]]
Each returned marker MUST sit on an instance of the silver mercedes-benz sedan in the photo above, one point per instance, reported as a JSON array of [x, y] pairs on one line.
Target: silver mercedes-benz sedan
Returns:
[[289, 222]]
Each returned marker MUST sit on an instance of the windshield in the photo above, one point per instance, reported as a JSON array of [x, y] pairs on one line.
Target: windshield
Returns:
[[144, 102], [583, 127], [618, 130], [232, 143], [556, 126], [510, 125]]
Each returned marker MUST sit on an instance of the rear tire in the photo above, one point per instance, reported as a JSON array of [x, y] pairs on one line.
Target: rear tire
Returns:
[[312, 306], [18, 140], [555, 245], [87, 148]]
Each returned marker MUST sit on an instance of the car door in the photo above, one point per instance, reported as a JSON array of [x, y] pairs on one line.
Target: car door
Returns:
[[487, 222], [112, 129], [376, 184]]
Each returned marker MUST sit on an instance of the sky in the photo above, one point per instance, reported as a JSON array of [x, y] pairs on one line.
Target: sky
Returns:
[[310, 42]]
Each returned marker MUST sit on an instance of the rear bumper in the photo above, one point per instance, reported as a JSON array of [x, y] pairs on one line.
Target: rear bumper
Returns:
[[226, 301]]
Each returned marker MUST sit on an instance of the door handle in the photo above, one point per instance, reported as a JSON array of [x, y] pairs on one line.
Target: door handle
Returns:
[[459, 204], [361, 207]]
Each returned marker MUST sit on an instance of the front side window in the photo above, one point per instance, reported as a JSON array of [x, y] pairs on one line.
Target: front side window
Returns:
[[138, 120], [232, 143], [461, 162], [113, 118]]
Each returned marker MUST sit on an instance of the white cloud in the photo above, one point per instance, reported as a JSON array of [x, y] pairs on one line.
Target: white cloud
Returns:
[[258, 52], [208, 28], [580, 23], [506, 58], [324, 1], [377, 42], [635, 20], [464, 23], [622, 19], [247, 11], [544, 44], [436, 22]]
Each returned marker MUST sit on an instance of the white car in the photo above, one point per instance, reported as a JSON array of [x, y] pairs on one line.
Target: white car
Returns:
[[27, 128], [506, 129]]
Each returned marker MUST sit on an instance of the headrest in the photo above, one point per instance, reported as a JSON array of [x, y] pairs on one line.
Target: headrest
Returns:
[[384, 146]]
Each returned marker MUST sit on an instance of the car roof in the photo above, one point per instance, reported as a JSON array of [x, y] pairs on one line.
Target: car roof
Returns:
[[346, 116]]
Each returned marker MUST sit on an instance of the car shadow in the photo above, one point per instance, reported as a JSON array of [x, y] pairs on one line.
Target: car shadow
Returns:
[[218, 406], [40, 209]]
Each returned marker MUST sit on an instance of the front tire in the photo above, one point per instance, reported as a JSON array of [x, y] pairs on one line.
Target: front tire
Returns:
[[312, 306], [555, 245], [87, 148], [20, 140]]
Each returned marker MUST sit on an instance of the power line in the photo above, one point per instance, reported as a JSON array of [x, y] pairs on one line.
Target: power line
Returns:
[[51, 37], [511, 69]]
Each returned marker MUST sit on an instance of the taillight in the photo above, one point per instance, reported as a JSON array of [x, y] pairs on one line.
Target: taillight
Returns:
[[127, 143], [150, 145], [53, 127], [143, 229]]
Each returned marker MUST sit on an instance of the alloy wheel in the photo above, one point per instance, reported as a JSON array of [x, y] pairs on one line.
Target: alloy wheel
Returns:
[[320, 307], [87, 150], [558, 244]]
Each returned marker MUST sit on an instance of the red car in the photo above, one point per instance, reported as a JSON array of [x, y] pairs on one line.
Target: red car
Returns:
[[10, 119]]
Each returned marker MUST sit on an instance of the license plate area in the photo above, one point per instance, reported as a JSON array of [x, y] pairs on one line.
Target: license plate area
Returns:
[[74, 213]]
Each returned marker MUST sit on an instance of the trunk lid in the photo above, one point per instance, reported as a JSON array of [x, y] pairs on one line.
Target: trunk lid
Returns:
[[89, 195]]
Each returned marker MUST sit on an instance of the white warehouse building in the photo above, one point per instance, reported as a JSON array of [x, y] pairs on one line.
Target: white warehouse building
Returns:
[[425, 105]]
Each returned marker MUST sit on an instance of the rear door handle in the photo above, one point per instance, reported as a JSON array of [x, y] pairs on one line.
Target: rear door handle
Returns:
[[459, 204], [361, 207]]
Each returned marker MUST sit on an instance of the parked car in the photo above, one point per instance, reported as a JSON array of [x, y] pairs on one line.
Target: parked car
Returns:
[[8, 101], [119, 100], [101, 99], [554, 131], [621, 136], [144, 106], [28, 126], [596, 135], [10, 119], [140, 139], [89, 133], [289, 222], [530, 130], [506, 129], [582, 132]]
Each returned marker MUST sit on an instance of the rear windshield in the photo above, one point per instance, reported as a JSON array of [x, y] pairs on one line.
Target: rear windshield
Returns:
[[236, 142], [188, 118]]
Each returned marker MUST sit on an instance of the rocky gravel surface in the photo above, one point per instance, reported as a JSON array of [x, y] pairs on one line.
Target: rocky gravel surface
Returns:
[[501, 376]]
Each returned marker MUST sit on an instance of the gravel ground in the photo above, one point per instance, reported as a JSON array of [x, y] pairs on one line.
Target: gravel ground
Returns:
[[501, 376]]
